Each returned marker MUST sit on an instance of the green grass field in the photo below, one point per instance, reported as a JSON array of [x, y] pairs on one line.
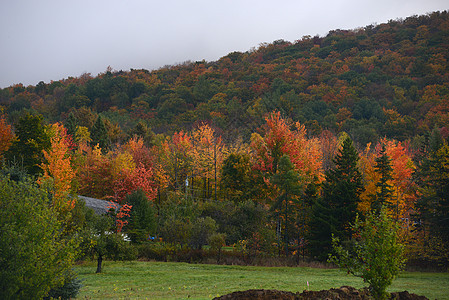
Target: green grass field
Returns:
[[158, 280]]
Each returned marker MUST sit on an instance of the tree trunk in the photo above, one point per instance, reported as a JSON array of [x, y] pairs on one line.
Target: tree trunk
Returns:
[[219, 256], [286, 224], [99, 261]]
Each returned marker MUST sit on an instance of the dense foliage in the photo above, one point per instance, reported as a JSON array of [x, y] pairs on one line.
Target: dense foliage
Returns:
[[381, 80], [35, 251], [271, 151], [376, 255]]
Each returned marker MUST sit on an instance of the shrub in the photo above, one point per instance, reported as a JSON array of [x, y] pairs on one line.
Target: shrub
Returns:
[[34, 252], [69, 290], [176, 231], [217, 241], [375, 255], [202, 229]]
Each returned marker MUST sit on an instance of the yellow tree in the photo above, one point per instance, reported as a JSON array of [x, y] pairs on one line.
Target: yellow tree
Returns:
[[370, 177], [175, 156], [95, 174], [82, 135], [207, 153], [133, 170], [58, 170], [403, 186]]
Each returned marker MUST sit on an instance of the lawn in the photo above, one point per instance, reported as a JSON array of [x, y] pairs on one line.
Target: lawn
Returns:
[[158, 280]]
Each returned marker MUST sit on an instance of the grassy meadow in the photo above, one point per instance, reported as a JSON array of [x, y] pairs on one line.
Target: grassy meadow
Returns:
[[159, 280]]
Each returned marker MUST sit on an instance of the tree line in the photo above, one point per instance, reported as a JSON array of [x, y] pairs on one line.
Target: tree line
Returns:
[[281, 193]]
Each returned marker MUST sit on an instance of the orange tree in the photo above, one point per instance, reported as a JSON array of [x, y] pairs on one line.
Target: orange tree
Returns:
[[6, 136], [402, 188], [279, 138], [58, 170]]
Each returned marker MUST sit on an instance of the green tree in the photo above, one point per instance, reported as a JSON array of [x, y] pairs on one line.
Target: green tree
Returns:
[[384, 188], [217, 241], [202, 229], [99, 135], [235, 176], [143, 131], [375, 255], [101, 241], [71, 124], [34, 253], [288, 182], [32, 139], [142, 219], [433, 204], [322, 224], [176, 231], [337, 208]]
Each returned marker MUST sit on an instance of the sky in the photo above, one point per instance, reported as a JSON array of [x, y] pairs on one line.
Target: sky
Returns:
[[45, 40]]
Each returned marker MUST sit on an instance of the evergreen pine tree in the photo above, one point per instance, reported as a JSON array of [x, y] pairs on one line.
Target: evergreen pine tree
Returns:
[[71, 124], [321, 227], [432, 206], [384, 188], [99, 135], [336, 209], [32, 138], [308, 199], [142, 217], [143, 131], [288, 182]]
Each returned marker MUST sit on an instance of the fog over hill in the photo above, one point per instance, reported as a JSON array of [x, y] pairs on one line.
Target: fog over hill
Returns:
[[51, 40]]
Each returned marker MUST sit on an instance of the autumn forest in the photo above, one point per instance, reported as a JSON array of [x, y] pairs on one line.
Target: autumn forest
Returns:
[[270, 151]]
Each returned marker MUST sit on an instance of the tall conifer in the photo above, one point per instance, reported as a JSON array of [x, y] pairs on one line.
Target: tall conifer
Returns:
[[71, 124], [336, 209], [32, 138], [288, 182], [99, 135], [384, 188]]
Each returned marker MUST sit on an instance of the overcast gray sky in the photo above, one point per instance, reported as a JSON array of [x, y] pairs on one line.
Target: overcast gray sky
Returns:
[[44, 40]]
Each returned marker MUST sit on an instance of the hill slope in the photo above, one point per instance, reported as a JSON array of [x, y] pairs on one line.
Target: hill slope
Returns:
[[381, 80]]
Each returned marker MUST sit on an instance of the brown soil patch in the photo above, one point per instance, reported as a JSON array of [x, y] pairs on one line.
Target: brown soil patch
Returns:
[[343, 293]]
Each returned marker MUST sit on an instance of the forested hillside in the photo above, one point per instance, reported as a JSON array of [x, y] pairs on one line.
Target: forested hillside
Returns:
[[271, 150], [388, 80]]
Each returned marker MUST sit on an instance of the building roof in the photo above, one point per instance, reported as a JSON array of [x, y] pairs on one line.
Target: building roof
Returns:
[[99, 206]]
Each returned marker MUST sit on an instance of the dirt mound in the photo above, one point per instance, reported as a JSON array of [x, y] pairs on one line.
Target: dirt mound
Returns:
[[343, 293]]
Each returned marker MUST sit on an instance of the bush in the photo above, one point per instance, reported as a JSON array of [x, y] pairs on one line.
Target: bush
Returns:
[[119, 249], [217, 241], [155, 251], [34, 252], [176, 231], [375, 255], [70, 288], [202, 229]]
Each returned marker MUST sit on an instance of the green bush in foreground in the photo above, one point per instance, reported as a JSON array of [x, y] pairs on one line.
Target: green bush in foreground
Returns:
[[34, 253], [375, 254]]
